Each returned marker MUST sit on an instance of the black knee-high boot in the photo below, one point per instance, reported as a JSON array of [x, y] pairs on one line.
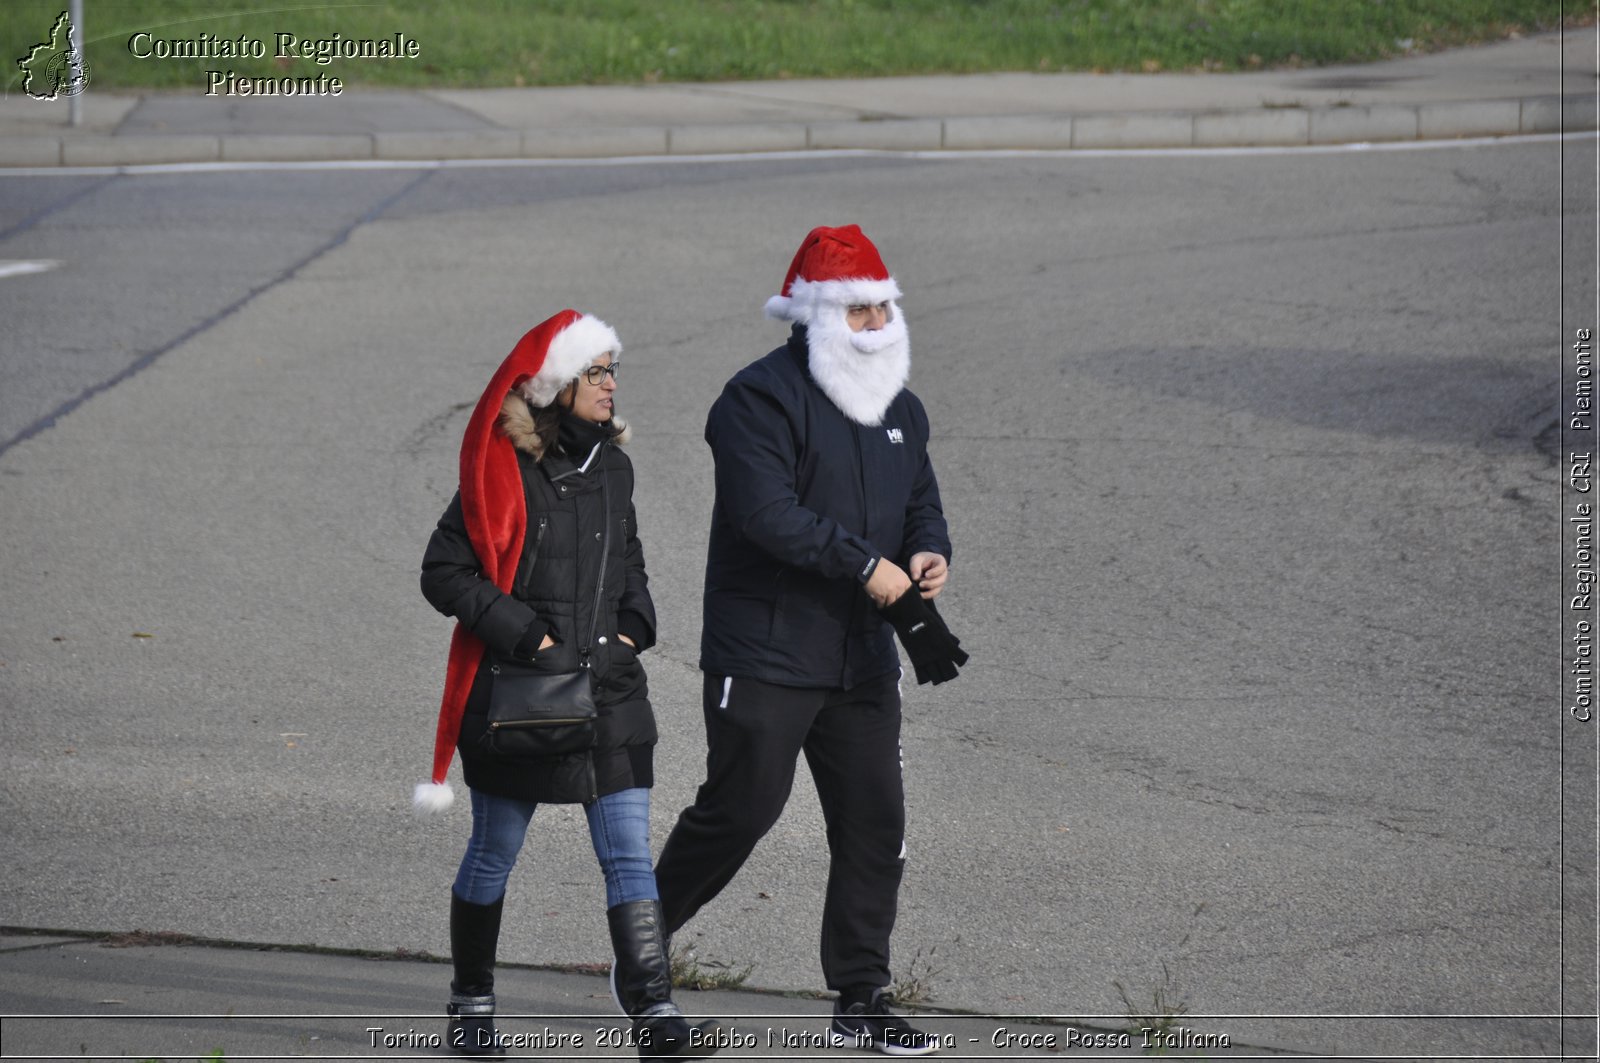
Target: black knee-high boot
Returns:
[[641, 978], [474, 935]]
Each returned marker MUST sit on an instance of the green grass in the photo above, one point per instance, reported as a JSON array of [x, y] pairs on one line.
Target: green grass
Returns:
[[479, 43]]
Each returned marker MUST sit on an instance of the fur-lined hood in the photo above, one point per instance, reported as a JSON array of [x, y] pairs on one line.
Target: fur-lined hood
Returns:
[[517, 423]]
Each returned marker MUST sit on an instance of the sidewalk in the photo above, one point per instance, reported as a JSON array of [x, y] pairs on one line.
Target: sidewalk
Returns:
[[1540, 84], [68, 997]]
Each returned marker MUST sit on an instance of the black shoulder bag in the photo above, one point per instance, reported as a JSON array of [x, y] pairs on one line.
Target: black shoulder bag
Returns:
[[537, 715]]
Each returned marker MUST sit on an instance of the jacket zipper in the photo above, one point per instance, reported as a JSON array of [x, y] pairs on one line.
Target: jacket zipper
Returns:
[[533, 555], [538, 540], [857, 600], [515, 724]]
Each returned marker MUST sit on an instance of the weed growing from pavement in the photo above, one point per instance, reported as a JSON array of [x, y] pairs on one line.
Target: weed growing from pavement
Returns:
[[915, 988], [1157, 1017], [1153, 1014], [689, 972]]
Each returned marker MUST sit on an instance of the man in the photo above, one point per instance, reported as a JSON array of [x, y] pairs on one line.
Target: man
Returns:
[[826, 511]]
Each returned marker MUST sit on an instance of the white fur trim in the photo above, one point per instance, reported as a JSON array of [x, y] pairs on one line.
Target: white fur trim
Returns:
[[861, 372], [431, 798], [806, 298], [570, 353]]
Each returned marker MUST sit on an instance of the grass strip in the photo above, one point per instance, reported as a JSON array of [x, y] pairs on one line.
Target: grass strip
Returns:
[[501, 43]]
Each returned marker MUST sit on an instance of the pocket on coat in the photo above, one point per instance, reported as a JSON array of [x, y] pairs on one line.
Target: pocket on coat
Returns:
[[624, 677]]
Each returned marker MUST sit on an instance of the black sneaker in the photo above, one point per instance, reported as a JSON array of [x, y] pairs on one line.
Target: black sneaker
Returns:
[[873, 1027]]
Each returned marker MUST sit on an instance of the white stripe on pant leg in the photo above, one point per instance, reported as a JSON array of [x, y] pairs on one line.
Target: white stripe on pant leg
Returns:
[[901, 746], [727, 688]]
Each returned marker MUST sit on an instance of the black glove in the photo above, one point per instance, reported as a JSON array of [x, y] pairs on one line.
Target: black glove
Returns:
[[934, 652]]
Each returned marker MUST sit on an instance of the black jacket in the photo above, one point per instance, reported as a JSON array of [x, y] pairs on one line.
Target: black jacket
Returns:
[[554, 592], [806, 499]]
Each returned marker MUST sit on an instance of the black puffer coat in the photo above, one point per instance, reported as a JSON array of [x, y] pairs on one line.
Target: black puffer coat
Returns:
[[554, 593]]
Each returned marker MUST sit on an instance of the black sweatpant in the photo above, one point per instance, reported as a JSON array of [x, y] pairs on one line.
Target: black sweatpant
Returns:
[[851, 738]]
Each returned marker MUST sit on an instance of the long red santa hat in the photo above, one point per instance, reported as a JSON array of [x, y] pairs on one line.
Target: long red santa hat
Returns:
[[549, 356]]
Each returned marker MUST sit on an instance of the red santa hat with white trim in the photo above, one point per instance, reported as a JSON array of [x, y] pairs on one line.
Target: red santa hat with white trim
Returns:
[[834, 268], [549, 356]]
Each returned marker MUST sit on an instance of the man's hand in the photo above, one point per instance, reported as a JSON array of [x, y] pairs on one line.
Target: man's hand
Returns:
[[626, 639], [935, 653], [546, 643], [930, 571], [888, 582]]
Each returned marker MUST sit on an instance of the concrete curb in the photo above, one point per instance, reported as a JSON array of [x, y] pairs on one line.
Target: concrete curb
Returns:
[[1259, 127]]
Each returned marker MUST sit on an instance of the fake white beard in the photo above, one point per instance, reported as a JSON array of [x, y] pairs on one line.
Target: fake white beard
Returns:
[[863, 371]]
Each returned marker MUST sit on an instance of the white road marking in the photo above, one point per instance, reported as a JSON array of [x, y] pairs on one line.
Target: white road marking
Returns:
[[11, 267]]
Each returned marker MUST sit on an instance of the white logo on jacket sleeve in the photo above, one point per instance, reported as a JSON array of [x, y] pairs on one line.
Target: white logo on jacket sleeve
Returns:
[[895, 436]]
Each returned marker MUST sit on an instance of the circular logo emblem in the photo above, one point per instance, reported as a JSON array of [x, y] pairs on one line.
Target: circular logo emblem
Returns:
[[59, 74]]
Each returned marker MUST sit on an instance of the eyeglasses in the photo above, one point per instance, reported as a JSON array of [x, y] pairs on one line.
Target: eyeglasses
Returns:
[[595, 374]]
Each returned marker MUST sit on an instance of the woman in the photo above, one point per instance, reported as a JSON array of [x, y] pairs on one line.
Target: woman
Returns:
[[538, 559]]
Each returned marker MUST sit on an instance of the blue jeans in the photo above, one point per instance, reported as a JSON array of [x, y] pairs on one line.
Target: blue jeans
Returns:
[[619, 827]]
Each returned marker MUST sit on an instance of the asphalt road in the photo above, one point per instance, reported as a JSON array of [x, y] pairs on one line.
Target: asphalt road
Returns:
[[1248, 464]]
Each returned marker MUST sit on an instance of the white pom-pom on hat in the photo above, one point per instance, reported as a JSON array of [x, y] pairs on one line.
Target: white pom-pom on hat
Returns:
[[431, 798]]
